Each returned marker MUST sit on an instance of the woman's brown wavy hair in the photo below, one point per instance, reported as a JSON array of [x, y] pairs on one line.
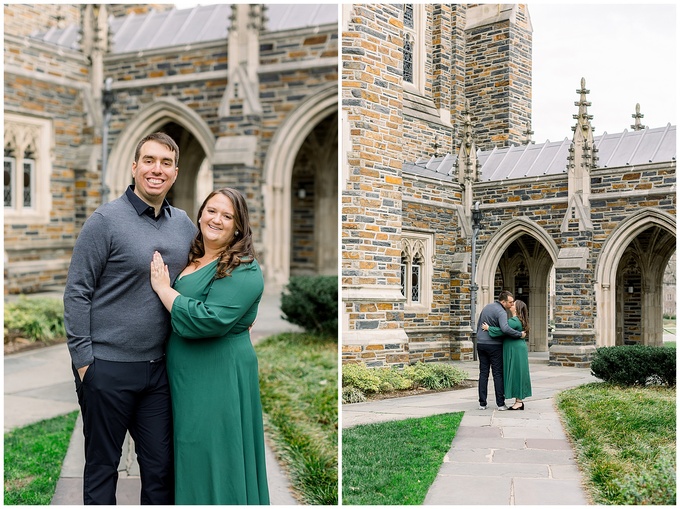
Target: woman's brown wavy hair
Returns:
[[241, 250], [523, 315]]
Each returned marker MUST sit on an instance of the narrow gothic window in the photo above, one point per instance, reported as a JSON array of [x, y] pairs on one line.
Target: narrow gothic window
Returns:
[[29, 176], [27, 168], [408, 59], [408, 16], [10, 162], [414, 45], [404, 264], [415, 279], [416, 268]]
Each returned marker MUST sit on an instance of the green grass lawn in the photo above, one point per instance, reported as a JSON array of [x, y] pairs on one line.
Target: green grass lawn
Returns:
[[395, 463], [625, 441], [33, 458], [669, 325], [299, 387]]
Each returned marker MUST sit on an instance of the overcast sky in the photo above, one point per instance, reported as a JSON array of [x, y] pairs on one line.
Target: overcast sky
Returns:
[[626, 53]]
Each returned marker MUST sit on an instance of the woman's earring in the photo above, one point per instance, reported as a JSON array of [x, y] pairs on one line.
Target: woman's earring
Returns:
[[236, 232]]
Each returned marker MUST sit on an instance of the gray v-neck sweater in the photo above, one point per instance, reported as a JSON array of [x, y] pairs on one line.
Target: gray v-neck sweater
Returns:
[[110, 310]]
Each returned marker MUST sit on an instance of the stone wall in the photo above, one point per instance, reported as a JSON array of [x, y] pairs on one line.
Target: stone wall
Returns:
[[498, 73], [26, 19], [36, 86], [54, 83], [372, 198]]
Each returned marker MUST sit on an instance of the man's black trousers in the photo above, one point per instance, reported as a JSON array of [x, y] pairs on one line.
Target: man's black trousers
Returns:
[[490, 356], [116, 397]]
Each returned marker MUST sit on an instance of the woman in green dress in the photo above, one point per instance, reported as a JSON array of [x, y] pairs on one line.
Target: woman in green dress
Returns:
[[212, 366], [516, 377]]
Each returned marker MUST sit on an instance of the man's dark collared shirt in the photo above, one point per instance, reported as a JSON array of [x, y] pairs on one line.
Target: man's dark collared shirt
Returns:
[[144, 208]]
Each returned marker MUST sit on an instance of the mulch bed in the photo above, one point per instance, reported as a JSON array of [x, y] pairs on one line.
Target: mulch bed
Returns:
[[17, 345], [418, 392]]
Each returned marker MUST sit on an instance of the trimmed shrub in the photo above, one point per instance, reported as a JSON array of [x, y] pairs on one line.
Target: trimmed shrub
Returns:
[[361, 377], [392, 379], [352, 395], [312, 303], [35, 319], [635, 365], [435, 375], [365, 380]]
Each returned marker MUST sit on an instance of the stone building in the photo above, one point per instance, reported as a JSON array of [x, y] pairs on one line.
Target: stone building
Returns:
[[249, 92], [436, 109]]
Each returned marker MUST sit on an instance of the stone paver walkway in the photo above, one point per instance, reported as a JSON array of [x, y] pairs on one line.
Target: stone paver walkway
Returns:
[[497, 457]]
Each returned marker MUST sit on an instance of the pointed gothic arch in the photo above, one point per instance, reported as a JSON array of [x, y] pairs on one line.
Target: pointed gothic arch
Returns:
[[608, 264], [278, 173], [542, 264], [150, 119], [493, 251]]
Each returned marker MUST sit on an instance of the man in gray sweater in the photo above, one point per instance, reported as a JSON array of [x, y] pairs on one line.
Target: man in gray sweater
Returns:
[[116, 326], [490, 350]]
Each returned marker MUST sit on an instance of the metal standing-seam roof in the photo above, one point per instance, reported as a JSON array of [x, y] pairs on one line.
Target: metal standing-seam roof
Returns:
[[628, 148], [203, 23], [137, 32]]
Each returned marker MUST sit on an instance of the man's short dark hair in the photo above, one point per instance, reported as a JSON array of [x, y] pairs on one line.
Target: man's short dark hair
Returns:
[[504, 295], [161, 138]]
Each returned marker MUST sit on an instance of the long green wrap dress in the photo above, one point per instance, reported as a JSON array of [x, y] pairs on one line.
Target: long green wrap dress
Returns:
[[212, 366], [516, 377]]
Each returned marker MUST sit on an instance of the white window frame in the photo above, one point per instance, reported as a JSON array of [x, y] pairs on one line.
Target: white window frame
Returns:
[[21, 132], [417, 34], [418, 245]]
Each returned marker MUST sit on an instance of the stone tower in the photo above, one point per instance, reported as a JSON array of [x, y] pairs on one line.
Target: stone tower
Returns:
[[498, 72], [419, 80]]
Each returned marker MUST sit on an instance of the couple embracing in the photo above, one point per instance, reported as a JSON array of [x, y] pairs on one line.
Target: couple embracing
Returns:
[[157, 315], [502, 328]]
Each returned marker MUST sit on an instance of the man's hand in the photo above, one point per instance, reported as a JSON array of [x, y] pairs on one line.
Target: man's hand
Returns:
[[81, 372], [524, 334]]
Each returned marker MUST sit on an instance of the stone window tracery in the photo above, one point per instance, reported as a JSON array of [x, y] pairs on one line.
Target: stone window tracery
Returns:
[[413, 49], [27, 169], [416, 268], [408, 58]]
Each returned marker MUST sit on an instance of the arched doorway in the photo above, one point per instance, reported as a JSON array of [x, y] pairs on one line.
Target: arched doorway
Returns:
[[629, 273], [314, 203], [520, 258], [196, 146], [287, 165]]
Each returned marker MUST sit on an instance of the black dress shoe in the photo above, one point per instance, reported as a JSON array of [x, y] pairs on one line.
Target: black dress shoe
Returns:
[[518, 408]]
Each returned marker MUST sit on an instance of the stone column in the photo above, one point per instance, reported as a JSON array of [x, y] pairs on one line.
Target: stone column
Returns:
[[237, 162], [652, 313], [538, 317], [575, 266]]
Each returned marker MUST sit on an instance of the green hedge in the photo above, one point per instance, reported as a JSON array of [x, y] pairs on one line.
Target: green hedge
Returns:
[[35, 319], [312, 303], [635, 365], [359, 380]]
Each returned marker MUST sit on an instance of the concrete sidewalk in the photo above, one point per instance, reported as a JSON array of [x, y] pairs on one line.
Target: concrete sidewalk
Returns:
[[38, 385], [497, 457]]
